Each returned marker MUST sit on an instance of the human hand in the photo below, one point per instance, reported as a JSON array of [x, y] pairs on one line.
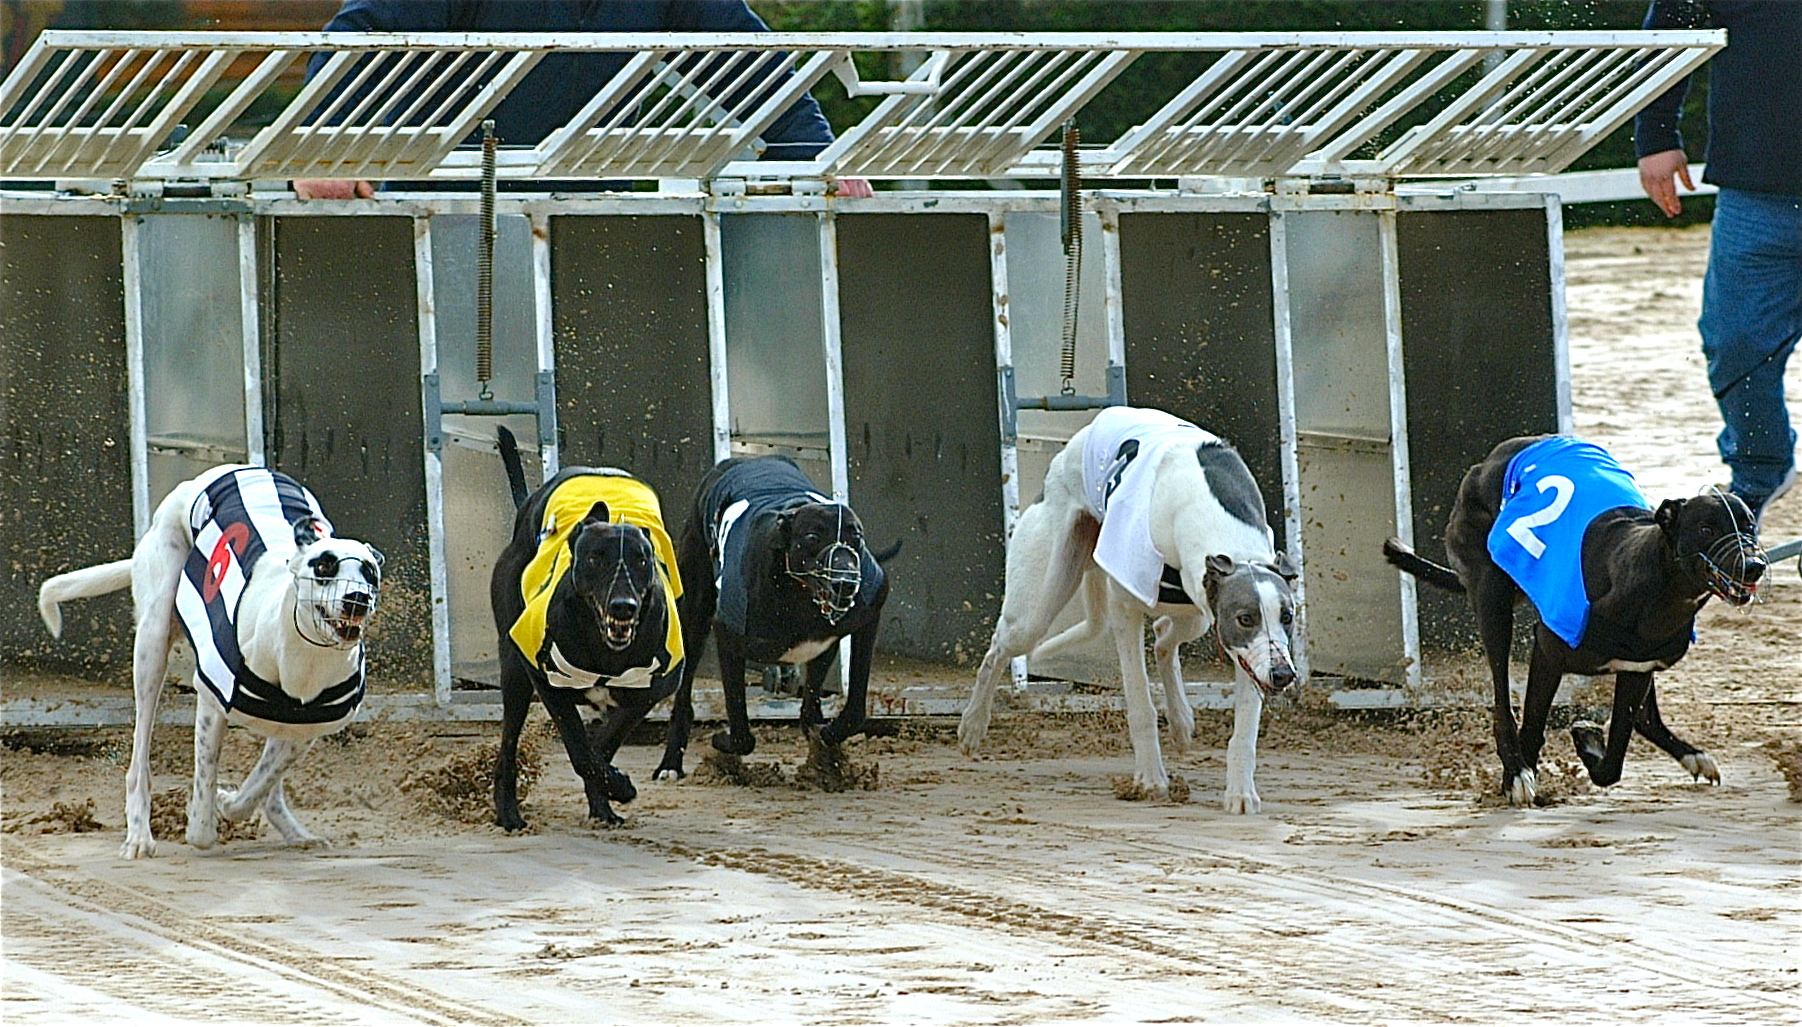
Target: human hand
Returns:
[[856, 188], [1658, 175], [333, 189]]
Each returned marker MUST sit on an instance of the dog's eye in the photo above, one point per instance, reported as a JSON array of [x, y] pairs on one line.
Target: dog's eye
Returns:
[[325, 566], [1247, 620], [1707, 530], [1288, 617]]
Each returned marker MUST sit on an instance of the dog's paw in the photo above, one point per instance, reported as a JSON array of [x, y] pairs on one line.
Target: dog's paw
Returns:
[[606, 817], [970, 737], [669, 773], [202, 834], [1701, 765], [726, 743], [1242, 803], [138, 845], [509, 821], [307, 840], [1522, 789], [619, 787]]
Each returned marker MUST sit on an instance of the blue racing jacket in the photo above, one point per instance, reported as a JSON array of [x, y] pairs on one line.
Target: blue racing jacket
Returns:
[[1553, 491]]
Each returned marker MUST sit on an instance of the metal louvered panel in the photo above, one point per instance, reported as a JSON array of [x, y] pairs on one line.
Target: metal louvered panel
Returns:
[[694, 105]]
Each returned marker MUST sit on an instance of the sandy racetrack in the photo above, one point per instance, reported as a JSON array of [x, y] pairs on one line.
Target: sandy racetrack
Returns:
[[1381, 883]]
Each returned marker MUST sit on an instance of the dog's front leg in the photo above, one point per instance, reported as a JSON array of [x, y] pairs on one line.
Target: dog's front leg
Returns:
[[280, 817], [1651, 725], [737, 739], [850, 719], [279, 755], [1543, 676], [1141, 717], [203, 797], [149, 662], [1604, 765], [601, 780], [1242, 750], [1170, 634], [812, 712]]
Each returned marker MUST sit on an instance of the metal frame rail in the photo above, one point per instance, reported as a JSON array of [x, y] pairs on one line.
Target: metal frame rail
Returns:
[[93, 104]]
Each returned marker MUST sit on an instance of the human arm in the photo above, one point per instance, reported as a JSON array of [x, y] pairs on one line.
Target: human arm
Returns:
[[371, 16], [1657, 128]]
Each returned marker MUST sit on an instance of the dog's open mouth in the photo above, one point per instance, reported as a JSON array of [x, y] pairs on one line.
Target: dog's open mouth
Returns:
[[619, 632]]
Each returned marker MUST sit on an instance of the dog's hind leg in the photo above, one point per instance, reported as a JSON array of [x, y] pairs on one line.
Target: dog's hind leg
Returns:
[[203, 798], [1492, 601], [1092, 626], [1045, 563], [156, 573], [1651, 725], [1170, 633], [263, 784], [1604, 764], [516, 702], [1242, 749]]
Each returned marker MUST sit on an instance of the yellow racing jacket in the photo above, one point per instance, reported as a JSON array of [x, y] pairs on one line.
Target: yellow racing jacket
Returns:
[[629, 501]]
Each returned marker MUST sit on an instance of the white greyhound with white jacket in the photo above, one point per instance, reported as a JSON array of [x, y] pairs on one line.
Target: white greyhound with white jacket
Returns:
[[1145, 511], [278, 642]]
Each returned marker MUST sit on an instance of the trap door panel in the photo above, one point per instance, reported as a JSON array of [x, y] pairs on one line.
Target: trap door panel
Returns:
[[1196, 308], [1481, 351], [629, 319], [775, 339], [66, 482], [342, 407], [1348, 454], [478, 507], [196, 298], [921, 423]]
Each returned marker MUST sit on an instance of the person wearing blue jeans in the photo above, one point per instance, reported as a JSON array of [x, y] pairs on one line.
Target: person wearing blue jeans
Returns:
[[1752, 293]]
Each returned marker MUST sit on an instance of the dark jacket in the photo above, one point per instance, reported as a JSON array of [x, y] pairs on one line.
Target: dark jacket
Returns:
[[563, 82], [1754, 94]]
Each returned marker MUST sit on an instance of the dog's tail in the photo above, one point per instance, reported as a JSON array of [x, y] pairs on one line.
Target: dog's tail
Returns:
[[97, 580], [888, 554], [1401, 555], [516, 472]]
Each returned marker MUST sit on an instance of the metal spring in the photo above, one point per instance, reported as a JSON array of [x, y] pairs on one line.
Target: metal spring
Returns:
[[485, 266], [1072, 238]]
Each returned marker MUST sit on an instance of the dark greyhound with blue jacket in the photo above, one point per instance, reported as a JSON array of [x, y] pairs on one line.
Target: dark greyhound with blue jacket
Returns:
[[778, 573], [1556, 521]]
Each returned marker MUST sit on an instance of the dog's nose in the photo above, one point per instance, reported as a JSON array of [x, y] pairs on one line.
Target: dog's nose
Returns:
[[1753, 570], [357, 605], [622, 608], [1281, 677]]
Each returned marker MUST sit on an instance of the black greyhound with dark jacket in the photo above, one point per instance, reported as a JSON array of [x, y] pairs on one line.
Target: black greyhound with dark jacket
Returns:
[[1645, 574], [583, 600], [779, 573]]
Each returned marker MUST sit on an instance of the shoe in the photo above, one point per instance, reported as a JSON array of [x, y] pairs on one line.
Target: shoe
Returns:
[[1757, 502]]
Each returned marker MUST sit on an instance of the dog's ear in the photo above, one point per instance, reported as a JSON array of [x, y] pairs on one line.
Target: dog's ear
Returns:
[[785, 530], [1669, 513], [307, 530], [1218, 566], [1285, 567]]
